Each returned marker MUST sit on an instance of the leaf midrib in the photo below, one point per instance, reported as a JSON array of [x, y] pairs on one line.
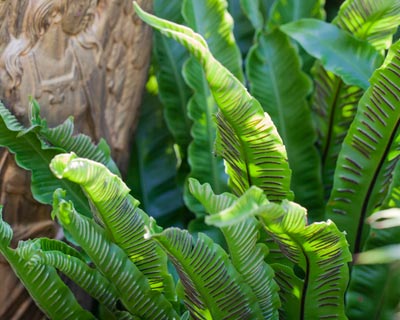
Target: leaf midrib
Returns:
[[371, 187], [305, 286], [332, 117]]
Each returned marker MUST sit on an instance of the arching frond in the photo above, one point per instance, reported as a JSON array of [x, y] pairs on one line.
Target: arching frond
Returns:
[[259, 157], [119, 213], [131, 284], [43, 283], [213, 287], [369, 153]]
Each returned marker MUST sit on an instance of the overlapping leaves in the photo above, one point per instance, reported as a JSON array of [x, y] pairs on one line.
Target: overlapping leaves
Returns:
[[369, 153], [319, 250], [118, 212], [42, 282], [246, 253], [133, 287], [258, 157]]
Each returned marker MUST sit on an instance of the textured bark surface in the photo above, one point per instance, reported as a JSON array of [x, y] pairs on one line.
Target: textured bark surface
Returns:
[[85, 58]]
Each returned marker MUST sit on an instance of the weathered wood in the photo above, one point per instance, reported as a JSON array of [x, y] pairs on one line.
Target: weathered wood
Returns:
[[86, 58]]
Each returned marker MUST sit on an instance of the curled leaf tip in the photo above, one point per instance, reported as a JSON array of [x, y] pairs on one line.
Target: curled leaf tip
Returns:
[[58, 196], [62, 209], [152, 229], [147, 233], [60, 162]]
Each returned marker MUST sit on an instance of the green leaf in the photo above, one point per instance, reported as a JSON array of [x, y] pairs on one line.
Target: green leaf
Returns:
[[251, 9], [119, 213], [374, 289], [320, 251], [369, 154], [290, 291], [63, 137], [244, 207], [204, 164], [285, 11], [334, 106], [335, 103], [44, 285], [276, 80], [373, 20], [243, 29], [153, 175], [131, 284], [207, 16], [173, 91], [258, 157], [64, 258], [212, 203], [213, 288], [247, 255], [374, 292], [32, 154], [204, 17], [352, 59]]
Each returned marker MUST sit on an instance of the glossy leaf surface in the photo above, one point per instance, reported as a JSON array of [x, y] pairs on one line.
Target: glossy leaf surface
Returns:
[[351, 59], [253, 150]]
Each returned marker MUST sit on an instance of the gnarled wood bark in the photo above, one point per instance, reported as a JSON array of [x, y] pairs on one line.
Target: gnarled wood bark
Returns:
[[85, 58]]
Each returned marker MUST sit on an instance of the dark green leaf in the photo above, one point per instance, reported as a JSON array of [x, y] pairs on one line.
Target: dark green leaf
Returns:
[[352, 59], [285, 11], [204, 17], [251, 9], [207, 16], [153, 175], [243, 29], [335, 103], [32, 154], [374, 289], [44, 285], [173, 91], [369, 154]]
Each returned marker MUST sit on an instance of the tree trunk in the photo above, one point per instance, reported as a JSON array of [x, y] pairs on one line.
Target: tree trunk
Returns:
[[83, 58]]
